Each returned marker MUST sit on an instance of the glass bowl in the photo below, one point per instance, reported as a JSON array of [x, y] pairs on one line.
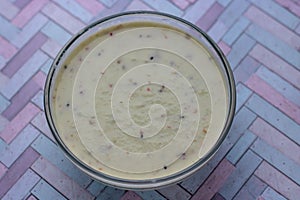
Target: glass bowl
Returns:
[[140, 100]]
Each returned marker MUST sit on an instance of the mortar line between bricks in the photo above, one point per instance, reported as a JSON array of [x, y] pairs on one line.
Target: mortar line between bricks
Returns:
[[251, 174], [274, 108], [236, 21], [160, 194], [185, 189], [279, 55], [245, 100], [263, 160], [61, 7], [249, 145], [47, 181], [275, 18]]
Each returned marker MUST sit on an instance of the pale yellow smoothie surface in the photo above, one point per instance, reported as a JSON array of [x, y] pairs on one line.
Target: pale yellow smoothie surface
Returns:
[[139, 101]]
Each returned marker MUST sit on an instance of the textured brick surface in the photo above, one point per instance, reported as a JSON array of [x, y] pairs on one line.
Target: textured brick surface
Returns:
[[278, 181], [259, 158]]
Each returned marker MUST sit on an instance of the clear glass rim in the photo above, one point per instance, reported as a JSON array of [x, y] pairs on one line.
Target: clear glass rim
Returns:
[[149, 183]]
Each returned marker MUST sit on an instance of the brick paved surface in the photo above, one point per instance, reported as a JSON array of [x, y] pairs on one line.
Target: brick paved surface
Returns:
[[260, 158]]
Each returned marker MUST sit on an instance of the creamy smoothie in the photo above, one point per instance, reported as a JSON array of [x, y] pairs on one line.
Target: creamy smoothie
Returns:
[[139, 101]]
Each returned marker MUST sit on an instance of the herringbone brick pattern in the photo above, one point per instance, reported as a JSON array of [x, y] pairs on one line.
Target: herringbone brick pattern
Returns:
[[260, 158]]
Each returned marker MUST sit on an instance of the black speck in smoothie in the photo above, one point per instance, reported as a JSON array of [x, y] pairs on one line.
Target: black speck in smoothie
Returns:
[[67, 104], [141, 134], [65, 66], [99, 54], [140, 36], [111, 34], [181, 116], [118, 61], [151, 58], [123, 67], [165, 167]]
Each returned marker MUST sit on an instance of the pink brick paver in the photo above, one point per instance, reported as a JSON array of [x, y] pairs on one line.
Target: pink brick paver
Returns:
[[259, 158], [271, 95], [28, 12], [19, 122]]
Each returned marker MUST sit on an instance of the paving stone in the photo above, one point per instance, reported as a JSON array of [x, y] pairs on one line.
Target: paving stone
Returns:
[[7, 50], [24, 54], [75, 9], [131, 195], [271, 194], [292, 6], [278, 181], [245, 69], [43, 190], [40, 79], [24, 74], [197, 10], [280, 85], [212, 14], [282, 49], [242, 121], [233, 12], [53, 154], [236, 30], [20, 3], [278, 12], [3, 170], [17, 170], [3, 123], [19, 122], [22, 97], [224, 47], [118, 7], [138, 5], [59, 180], [276, 64], [218, 196], [164, 6], [150, 195], [244, 168], [289, 167], [252, 189], [174, 192], [56, 33], [93, 6], [274, 117], [38, 99], [40, 122], [239, 50], [182, 4], [224, 2], [95, 188], [215, 181], [269, 24], [28, 12], [109, 3], [29, 30], [217, 31], [276, 139], [46, 66], [4, 103], [12, 151], [240, 147], [8, 10], [69, 22], [275, 98], [8, 31], [110, 193], [52, 47], [23, 186]]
